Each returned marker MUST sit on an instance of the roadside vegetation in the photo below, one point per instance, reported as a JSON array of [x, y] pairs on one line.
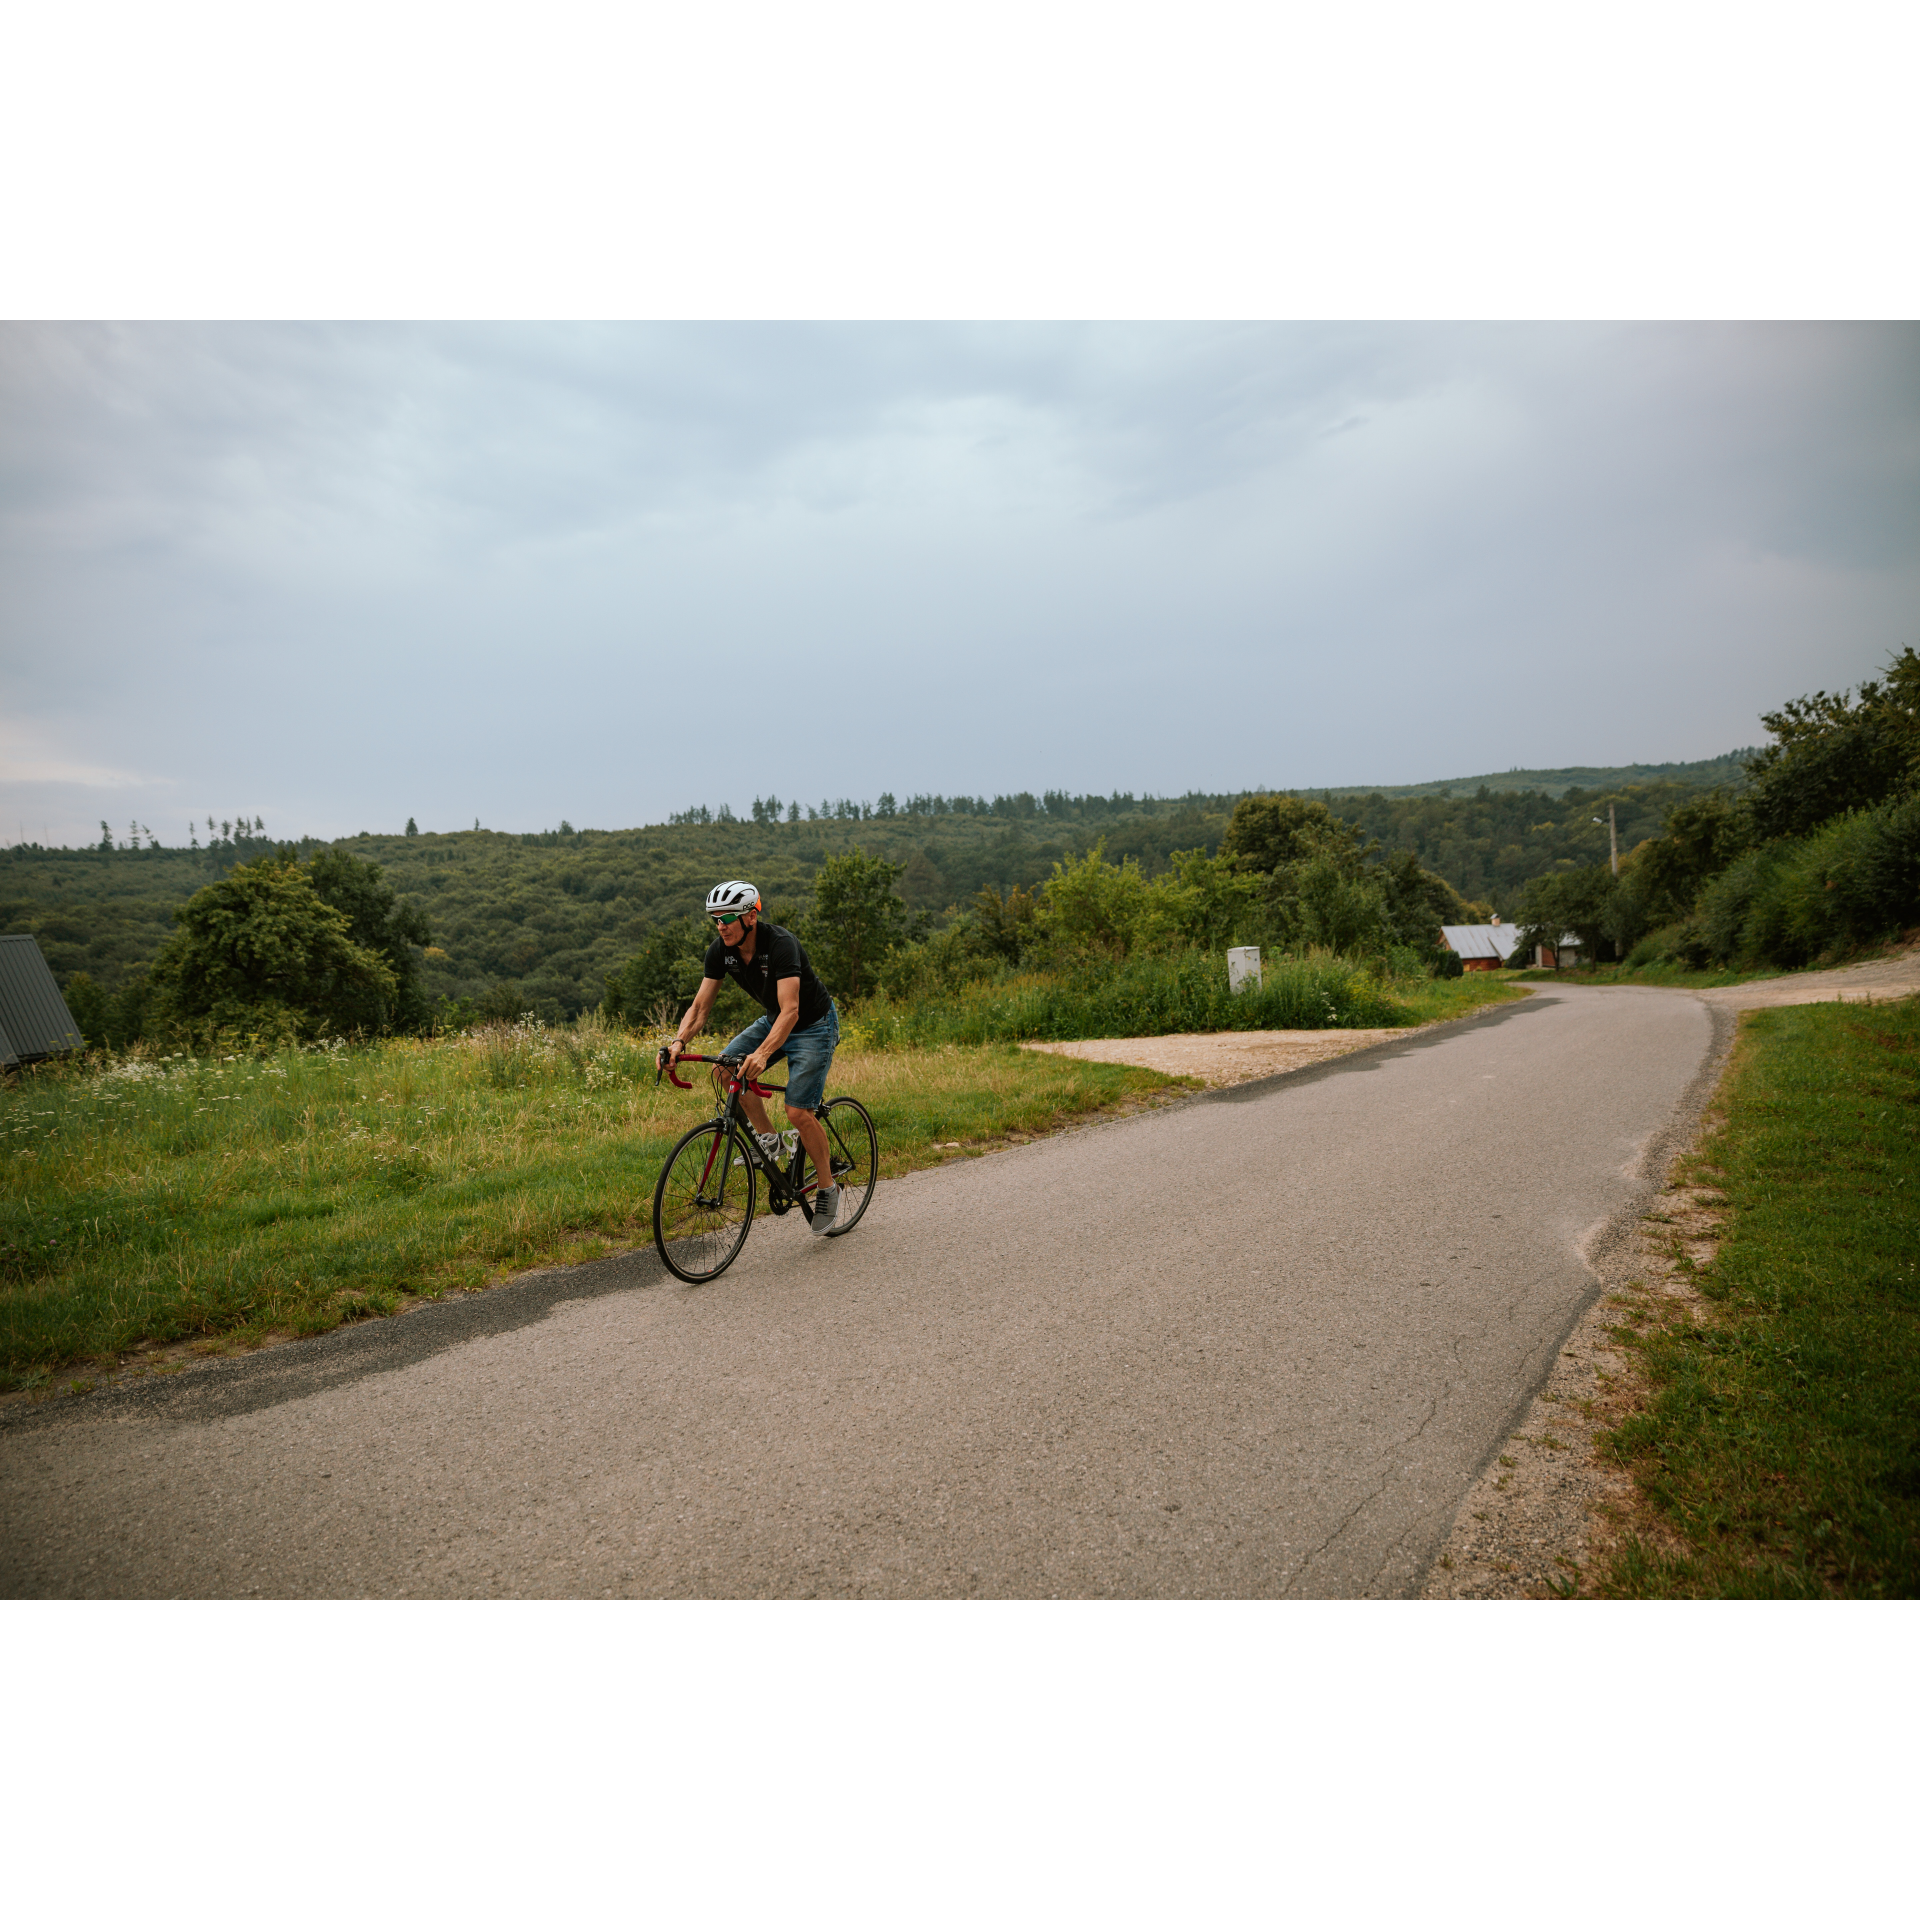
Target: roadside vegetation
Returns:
[[1778, 1453], [287, 1189], [1655, 973], [1814, 858], [1182, 993]]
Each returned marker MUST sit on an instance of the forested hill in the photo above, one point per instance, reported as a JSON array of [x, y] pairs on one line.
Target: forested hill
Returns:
[[1556, 781], [555, 913]]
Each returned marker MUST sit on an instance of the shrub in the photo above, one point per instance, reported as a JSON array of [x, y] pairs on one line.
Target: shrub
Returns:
[[1852, 882]]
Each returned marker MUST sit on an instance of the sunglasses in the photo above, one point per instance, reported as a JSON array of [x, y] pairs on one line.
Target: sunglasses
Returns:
[[727, 919]]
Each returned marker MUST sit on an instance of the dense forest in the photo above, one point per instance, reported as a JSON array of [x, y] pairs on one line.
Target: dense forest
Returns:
[[543, 920]]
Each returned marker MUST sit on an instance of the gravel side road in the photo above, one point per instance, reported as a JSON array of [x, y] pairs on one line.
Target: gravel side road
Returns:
[[1257, 1344]]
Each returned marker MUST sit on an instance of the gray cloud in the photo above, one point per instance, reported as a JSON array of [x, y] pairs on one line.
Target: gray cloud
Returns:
[[339, 575]]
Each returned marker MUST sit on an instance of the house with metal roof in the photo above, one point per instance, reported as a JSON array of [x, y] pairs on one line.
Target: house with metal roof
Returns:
[[34, 1021], [1481, 949]]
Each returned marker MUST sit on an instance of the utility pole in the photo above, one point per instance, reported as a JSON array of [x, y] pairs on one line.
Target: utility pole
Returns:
[[1613, 839]]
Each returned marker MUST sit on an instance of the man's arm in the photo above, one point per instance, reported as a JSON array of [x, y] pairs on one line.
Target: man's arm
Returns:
[[695, 1016], [789, 992]]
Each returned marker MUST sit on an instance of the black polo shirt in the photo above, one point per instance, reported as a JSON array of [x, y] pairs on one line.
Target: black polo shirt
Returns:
[[777, 956]]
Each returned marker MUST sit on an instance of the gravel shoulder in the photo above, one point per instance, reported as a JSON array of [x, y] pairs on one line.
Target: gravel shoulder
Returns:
[[1226, 1059], [1890, 978]]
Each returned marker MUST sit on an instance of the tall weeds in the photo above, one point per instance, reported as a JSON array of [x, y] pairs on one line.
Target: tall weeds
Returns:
[[1143, 994]]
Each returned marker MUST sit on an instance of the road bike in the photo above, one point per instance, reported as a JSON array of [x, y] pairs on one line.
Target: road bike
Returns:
[[704, 1201]]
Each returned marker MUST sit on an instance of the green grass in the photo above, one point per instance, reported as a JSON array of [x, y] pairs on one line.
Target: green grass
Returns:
[[1781, 1443], [1174, 993], [1663, 973], [234, 1199], [1424, 1001]]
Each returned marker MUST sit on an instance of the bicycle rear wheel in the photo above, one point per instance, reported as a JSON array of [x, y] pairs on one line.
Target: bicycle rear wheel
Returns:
[[703, 1203], [856, 1159]]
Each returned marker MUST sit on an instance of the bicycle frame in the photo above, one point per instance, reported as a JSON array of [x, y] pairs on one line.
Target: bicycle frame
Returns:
[[782, 1192]]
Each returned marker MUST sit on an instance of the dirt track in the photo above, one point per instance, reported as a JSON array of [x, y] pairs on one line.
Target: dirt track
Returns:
[[1890, 979]]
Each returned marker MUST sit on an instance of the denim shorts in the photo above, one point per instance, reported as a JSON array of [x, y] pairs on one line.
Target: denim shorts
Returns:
[[808, 1054]]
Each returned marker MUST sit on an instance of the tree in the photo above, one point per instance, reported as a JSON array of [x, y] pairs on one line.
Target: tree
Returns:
[[1325, 885], [1205, 900], [1579, 901], [109, 1019], [1092, 906], [88, 1004], [380, 921], [262, 952], [923, 884], [1662, 877], [1270, 831], [1418, 903], [1834, 753], [857, 916], [1340, 905], [1002, 928], [413, 828], [665, 973]]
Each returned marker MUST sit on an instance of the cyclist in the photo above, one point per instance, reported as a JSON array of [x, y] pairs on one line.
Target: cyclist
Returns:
[[801, 1025]]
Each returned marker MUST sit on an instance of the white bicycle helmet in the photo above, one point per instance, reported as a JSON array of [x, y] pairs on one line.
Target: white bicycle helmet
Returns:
[[733, 896]]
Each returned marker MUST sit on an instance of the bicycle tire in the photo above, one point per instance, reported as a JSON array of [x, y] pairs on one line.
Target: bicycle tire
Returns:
[[703, 1203], [856, 1158]]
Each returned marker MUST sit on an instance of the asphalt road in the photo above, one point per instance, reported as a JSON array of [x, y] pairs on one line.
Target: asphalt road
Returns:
[[1259, 1344]]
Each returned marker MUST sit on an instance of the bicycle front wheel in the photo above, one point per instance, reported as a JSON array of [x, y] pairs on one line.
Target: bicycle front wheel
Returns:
[[856, 1158], [703, 1204]]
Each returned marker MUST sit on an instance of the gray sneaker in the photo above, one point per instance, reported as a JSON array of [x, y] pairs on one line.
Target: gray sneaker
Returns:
[[826, 1208]]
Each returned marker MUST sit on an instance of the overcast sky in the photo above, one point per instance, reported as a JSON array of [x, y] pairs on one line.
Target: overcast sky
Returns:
[[340, 575]]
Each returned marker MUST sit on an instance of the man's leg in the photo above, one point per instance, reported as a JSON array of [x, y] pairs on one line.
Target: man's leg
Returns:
[[813, 1136], [809, 1056]]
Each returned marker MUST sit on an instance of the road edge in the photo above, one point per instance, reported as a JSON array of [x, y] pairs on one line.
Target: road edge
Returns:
[[1525, 1524]]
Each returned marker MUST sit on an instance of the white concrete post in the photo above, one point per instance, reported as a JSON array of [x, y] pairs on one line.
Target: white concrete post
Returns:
[[1243, 968]]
